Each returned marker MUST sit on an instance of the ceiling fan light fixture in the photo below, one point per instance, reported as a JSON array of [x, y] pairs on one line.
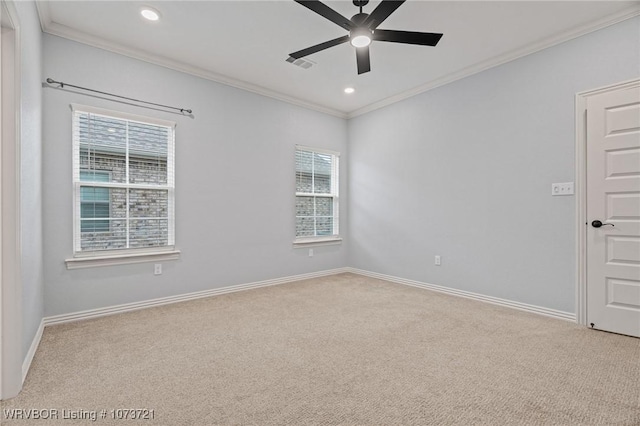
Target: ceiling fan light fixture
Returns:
[[363, 29], [360, 37]]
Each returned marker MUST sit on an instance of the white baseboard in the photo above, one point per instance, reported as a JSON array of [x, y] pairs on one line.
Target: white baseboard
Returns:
[[127, 307], [26, 364], [567, 316]]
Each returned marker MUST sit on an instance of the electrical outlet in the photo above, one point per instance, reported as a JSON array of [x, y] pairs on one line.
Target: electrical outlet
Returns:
[[438, 261], [157, 269], [565, 188], [310, 252]]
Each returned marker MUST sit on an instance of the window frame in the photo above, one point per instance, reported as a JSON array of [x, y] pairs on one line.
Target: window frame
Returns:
[[334, 238], [90, 258]]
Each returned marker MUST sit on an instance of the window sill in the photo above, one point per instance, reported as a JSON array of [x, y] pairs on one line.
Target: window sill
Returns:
[[312, 242], [121, 259]]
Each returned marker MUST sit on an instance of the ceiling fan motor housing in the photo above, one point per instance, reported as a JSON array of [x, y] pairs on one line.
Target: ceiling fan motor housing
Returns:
[[360, 31], [359, 18]]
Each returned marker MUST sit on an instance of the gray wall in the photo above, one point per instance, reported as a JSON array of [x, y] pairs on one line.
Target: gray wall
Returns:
[[235, 181], [30, 173], [464, 171]]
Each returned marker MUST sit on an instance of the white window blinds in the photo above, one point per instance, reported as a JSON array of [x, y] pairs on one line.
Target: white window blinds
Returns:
[[123, 176], [316, 194]]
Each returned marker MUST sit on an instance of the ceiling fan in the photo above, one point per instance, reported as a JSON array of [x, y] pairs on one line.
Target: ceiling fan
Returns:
[[362, 29]]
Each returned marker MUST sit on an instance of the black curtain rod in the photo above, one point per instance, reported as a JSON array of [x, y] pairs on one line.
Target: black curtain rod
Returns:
[[182, 110]]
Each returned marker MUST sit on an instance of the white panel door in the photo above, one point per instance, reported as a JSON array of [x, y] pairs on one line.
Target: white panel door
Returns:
[[613, 198]]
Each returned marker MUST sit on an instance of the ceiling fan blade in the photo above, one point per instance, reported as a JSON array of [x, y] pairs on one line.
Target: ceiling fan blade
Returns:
[[382, 12], [362, 57], [409, 37], [318, 47], [328, 13]]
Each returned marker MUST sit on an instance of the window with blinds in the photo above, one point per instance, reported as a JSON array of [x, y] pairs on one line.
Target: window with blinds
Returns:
[[316, 194], [123, 176]]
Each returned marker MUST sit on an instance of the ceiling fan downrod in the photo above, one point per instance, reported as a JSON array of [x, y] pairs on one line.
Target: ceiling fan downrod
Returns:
[[360, 3]]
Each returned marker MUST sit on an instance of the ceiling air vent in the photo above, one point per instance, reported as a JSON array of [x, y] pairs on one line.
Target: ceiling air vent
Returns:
[[302, 63]]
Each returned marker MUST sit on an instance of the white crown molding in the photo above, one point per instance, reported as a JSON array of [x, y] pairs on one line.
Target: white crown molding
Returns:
[[44, 14], [540, 310], [53, 28], [501, 59]]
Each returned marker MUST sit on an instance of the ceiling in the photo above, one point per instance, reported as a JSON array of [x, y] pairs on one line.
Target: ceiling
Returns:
[[246, 43]]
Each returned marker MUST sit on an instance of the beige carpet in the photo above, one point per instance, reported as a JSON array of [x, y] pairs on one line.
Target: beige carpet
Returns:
[[344, 349]]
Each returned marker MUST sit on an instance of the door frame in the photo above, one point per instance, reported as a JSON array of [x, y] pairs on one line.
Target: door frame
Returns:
[[581, 191], [10, 250]]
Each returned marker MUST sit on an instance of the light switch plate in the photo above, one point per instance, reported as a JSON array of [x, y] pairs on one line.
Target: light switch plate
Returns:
[[565, 188]]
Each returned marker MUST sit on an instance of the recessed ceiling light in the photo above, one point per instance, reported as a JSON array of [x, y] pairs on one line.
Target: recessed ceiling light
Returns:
[[150, 14], [349, 90]]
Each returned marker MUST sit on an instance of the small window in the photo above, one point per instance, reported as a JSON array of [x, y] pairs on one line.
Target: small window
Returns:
[[94, 203], [123, 168], [316, 195]]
